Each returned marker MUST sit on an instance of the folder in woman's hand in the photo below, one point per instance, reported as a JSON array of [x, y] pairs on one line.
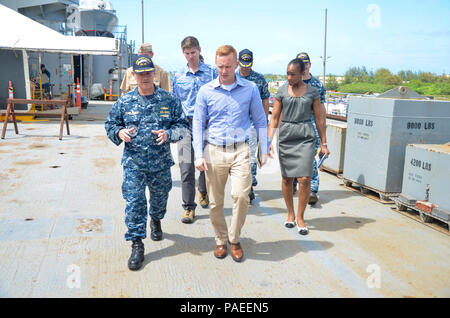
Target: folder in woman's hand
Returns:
[[258, 155], [321, 160]]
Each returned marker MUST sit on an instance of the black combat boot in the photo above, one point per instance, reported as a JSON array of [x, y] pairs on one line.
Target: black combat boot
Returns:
[[137, 255], [157, 233], [313, 198], [251, 195]]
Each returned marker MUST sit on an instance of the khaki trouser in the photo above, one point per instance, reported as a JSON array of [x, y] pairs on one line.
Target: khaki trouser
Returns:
[[222, 162]]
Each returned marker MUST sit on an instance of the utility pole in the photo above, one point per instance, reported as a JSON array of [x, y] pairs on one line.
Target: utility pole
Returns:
[[142, 10]]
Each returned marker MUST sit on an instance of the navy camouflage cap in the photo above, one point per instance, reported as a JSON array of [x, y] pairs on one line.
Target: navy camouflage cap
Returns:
[[304, 57], [143, 64], [245, 58]]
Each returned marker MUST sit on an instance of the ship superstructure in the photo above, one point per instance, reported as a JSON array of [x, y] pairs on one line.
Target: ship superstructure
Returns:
[[91, 18]]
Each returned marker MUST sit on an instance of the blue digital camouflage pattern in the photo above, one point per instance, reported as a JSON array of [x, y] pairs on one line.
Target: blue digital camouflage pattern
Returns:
[[314, 82], [135, 181], [260, 81], [264, 93], [145, 163], [159, 111], [253, 144], [185, 85], [321, 89], [315, 175]]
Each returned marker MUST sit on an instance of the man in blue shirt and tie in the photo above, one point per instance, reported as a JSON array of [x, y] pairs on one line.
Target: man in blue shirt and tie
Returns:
[[185, 86], [222, 120]]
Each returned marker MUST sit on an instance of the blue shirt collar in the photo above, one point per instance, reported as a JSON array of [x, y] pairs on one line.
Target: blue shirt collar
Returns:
[[201, 68], [239, 81]]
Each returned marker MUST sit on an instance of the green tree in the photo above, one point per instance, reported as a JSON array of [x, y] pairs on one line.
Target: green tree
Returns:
[[356, 74], [274, 77], [371, 77], [444, 78], [331, 83], [269, 77], [381, 75], [393, 80], [358, 80], [407, 76], [410, 76], [364, 88], [427, 77]]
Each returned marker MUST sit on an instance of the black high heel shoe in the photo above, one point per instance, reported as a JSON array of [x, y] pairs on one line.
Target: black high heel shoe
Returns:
[[289, 224], [302, 230]]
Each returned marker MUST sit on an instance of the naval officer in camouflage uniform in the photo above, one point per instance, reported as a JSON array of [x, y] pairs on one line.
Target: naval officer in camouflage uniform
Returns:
[[146, 119], [245, 71]]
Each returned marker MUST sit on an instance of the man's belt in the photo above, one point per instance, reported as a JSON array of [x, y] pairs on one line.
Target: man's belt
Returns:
[[234, 145]]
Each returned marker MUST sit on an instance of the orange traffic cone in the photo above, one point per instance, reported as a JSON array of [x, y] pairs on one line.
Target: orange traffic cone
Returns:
[[11, 90], [78, 94], [11, 95], [110, 89]]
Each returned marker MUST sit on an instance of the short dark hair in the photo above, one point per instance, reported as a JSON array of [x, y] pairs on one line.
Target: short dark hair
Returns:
[[299, 63], [42, 65], [190, 42]]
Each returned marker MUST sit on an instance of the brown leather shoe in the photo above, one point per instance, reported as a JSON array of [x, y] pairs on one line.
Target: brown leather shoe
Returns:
[[236, 252], [220, 251]]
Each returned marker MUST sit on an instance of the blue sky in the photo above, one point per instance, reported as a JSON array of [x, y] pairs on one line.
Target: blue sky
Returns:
[[399, 35]]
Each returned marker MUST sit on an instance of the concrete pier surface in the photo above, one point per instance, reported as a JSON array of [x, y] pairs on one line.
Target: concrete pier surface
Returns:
[[62, 232]]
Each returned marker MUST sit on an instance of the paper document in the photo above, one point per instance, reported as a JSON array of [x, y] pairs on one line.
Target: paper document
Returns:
[[321, 160]]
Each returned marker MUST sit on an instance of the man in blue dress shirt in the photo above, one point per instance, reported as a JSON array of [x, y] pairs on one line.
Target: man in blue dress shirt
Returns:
[[185, 86], [222, 120]]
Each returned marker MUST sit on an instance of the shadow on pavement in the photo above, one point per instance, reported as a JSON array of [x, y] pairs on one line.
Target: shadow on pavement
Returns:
[[336, 223], [281, 250], [264, 251], [325, 196]]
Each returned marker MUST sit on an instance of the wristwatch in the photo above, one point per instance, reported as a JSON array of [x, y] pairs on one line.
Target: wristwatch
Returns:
[[325, 144]]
